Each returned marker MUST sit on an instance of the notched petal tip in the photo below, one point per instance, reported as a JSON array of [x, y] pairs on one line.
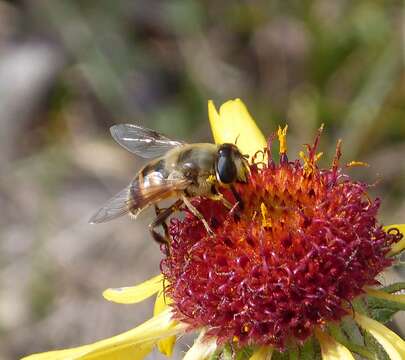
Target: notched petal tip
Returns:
[[232, 122], [135, 294]]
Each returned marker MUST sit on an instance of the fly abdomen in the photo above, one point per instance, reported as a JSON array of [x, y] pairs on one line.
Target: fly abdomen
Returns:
[[149, 186]]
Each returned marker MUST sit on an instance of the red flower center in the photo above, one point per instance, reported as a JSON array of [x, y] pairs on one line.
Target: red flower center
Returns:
[[304, 245]]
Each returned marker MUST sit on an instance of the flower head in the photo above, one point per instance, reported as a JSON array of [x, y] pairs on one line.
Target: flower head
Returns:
[[303, 246], [294, 259]]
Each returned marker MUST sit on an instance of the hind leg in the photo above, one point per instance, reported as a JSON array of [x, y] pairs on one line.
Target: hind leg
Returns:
[[160, 220], [165, 228]]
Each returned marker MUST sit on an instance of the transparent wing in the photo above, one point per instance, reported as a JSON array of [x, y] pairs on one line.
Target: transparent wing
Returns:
[[115, 207], [141, 141], [141, 197]]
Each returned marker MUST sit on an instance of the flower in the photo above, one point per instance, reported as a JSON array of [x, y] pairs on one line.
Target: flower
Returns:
[[291, 269]]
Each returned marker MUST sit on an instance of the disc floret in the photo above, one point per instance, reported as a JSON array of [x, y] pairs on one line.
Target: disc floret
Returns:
[[303, 245]]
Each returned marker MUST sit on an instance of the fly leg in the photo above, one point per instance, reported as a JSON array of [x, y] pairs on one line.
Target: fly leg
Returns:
[[233, 208], [237, 197], [159, 211], [220, 197], [160, 220], [196, 213]]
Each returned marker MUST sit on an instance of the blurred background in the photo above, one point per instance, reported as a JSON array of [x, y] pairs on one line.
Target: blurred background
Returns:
[[70, 69]]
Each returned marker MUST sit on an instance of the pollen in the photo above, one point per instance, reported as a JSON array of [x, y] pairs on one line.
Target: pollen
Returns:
[[211, 179], [303, 245]]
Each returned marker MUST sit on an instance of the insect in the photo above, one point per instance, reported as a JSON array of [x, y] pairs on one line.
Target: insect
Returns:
[[177, 170]]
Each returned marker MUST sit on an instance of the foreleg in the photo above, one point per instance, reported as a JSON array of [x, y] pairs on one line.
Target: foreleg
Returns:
[[196, 213]]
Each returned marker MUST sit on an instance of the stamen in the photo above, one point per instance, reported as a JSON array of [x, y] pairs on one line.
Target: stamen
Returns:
[[308, 164], [282, 138], [266, 220], [318, 156]]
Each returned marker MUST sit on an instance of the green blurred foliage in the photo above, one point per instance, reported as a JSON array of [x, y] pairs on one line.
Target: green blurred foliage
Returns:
[[336, 62], [297, 62]]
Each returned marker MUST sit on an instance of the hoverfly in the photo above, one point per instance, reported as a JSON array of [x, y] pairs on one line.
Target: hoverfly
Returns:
[[178, 170]]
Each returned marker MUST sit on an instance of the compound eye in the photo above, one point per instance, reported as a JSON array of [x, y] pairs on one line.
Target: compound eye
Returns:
[[226, 169]]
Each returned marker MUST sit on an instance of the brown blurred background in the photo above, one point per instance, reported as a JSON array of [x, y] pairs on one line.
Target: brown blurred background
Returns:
[[69, 69]]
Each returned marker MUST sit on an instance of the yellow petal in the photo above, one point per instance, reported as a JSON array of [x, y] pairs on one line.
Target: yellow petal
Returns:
[[134, 294], [135, 353], [400, 245], [133, 344], [393, 345], [166, 345], [262, 353], [331, 349], [201, 349], [234, 122], [399, 298]]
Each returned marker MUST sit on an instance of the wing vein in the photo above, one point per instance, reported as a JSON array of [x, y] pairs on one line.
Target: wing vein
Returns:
[[141, 141]]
